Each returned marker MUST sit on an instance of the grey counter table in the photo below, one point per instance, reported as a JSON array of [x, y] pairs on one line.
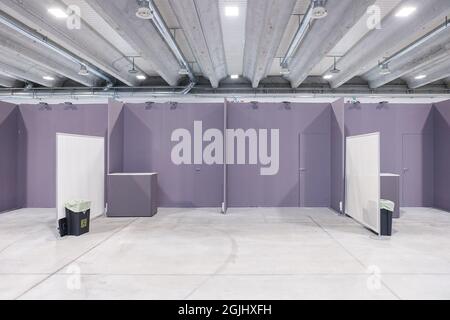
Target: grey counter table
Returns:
[[390, 190], [132, 194]]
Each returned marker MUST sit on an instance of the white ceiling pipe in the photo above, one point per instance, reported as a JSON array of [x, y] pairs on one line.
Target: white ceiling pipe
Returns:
[[266, 23], [34, 36], [324, 35], [394, 30], [200, 21]]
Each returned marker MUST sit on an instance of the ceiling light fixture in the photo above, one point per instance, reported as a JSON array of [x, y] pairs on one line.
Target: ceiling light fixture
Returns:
[[384, 69], [183, 72], [319, 11], [232, 11], [327, 76], [420, 77], [335, 70], [234, 76], [285, 71], [144, 12], [58, 13], [405, 12], [141, 77], [83, 71], [48, 78], [133, 70]]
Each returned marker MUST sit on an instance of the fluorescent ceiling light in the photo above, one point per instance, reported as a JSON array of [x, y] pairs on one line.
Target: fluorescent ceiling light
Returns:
[[405, 12], [141, 77], [58, 13], [234, 76], [420, 77], [328, 76], [48, 78], [232, 11]]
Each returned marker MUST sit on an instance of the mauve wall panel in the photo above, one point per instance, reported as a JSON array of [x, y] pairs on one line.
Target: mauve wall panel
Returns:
[[442, 155], [148, 147], [8, 157], [394, 122], [115, 136], [246, 186], [337, 154], [38, 128]]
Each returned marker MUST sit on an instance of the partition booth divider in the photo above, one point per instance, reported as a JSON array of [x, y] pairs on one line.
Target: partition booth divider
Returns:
[[80, 172], [413, 141]]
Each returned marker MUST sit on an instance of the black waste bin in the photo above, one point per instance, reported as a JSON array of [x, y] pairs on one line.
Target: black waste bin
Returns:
[[78, 217], [387, 211]]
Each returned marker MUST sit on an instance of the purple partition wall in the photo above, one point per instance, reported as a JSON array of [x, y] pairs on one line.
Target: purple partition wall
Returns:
[[442, 155], [406, 144], [337, 154], [9, 135], [115, 136], [37, 142], [304, 174], [148, 146]]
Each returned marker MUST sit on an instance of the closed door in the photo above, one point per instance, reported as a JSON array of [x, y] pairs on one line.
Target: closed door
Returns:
[[315, 170], [417, 170]]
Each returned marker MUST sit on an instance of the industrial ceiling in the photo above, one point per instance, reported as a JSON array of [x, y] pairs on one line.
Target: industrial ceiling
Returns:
[[225, 46]]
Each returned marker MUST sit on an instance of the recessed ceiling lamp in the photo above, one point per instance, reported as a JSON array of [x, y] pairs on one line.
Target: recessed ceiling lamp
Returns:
[[58, 13], [48, 78], [335, 70], [83, 71], [141, 77], [327, 76], [234, 76], [420, 77], [384, 69], [144, 11], [232, 11], [319, 10], [285, 71], [183, 72], [405, 12]]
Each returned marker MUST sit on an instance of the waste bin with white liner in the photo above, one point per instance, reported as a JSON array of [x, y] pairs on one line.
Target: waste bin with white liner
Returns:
[[387, 210], [78, 217]]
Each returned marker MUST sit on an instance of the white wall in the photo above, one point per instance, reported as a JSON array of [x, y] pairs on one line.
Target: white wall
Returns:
[[80, 172], [363, 180]]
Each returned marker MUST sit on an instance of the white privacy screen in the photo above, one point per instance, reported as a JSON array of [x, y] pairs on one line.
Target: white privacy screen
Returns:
[[80, 172], [363, 180]]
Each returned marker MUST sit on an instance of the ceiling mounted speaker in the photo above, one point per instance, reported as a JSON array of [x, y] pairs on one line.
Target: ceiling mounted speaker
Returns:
[[319, 10], [144, 12]]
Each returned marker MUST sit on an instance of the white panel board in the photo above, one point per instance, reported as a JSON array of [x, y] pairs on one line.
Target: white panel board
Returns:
[[363, 180], [80, 172]]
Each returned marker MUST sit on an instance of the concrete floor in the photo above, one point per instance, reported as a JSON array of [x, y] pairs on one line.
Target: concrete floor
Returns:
[[248, 254]]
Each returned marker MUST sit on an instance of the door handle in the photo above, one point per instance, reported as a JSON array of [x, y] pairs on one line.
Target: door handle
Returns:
[[302, 170], [405, 169]]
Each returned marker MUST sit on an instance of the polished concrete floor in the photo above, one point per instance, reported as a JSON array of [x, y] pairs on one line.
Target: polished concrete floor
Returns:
[[247, 254]]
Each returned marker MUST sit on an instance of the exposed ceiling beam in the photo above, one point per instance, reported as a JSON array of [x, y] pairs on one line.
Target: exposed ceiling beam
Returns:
[[371, 49], [141, 35], [8, 82], [433, 72], [324, 35], [9, 69], [266, 23], [26, 51], [200, 21], [435, 50], [84, 42]]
